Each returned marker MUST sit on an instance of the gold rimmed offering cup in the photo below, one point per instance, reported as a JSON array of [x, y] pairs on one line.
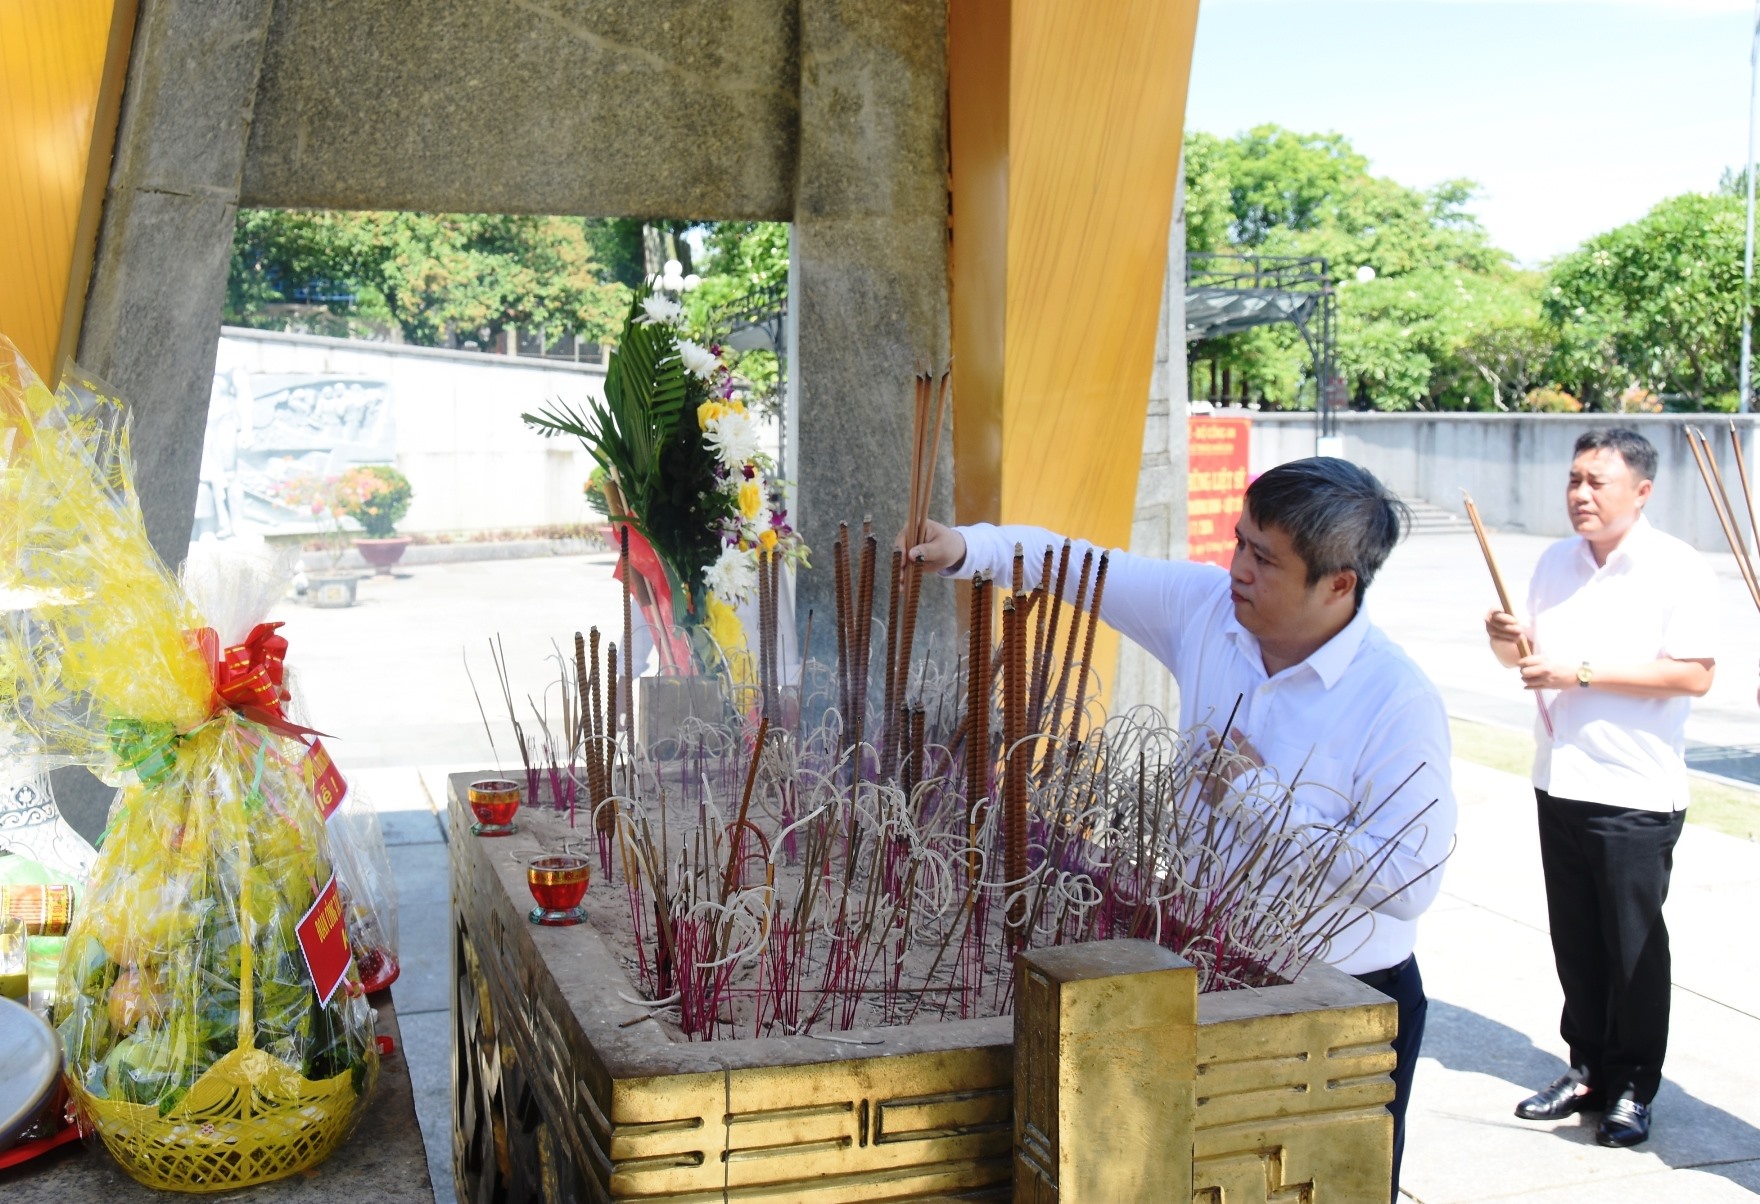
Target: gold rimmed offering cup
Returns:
[[493, 801], [559, 883]]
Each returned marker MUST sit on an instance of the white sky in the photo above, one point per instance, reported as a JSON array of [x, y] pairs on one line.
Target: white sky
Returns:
[[1574, 116]]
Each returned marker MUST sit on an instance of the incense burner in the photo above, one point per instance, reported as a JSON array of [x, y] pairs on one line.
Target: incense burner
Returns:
[[565, 1090]]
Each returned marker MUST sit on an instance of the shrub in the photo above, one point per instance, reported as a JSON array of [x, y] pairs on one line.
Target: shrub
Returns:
[[377, 496]]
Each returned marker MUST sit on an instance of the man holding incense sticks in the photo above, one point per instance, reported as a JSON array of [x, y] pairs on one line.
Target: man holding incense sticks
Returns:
[[1621, 621], [1319, 696]]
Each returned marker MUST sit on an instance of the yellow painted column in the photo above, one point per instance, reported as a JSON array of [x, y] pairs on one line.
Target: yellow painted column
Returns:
[[1066, 120], [62, 65]]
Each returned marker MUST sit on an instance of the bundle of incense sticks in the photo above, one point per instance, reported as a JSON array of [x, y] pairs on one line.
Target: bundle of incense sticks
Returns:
[[1726, 513], [1523, 648]]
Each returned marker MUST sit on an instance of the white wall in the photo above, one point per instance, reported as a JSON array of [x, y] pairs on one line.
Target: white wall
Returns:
[[1514, 465], [472, 463]]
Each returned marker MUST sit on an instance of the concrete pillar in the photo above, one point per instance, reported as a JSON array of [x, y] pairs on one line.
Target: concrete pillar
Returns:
[[152, 317], [870, 286], [1158, 527], [1105, 1049]]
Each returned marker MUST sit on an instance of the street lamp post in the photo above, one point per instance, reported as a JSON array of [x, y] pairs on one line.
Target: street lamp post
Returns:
[[1748, 255]]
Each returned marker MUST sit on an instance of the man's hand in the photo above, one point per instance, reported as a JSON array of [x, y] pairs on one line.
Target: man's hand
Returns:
[[1238, 757], [1539, 673], [1505, 632], [942, 548]]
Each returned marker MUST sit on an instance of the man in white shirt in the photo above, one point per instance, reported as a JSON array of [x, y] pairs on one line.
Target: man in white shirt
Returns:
[[1621, 620], [1322, 693]]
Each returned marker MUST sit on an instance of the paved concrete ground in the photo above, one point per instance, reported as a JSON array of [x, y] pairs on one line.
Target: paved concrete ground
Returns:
[[387, 677]]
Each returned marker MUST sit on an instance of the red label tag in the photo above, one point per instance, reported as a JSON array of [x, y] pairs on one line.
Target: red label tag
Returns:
[[325, 781], [323, 939]]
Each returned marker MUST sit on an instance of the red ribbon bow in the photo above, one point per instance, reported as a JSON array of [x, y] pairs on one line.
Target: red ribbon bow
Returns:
[[247, 677]]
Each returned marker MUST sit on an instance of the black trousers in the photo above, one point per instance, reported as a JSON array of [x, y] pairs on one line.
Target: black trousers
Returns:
[[1405, 986], [1607, 871]]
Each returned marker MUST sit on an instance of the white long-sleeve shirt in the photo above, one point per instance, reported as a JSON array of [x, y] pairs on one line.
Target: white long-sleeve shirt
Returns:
[[1354, 720]]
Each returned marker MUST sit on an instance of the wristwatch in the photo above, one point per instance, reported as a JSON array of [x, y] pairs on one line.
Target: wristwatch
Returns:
[[1585, 675]]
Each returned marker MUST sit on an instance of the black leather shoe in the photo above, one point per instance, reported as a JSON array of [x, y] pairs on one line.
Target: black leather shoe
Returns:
[[1560, 1100], [1626, 1122]]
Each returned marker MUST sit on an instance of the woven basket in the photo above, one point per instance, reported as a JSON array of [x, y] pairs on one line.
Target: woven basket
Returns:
[[249, 1119]]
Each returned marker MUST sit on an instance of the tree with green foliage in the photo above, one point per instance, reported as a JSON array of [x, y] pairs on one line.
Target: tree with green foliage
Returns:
[[426, 273], [741, 259], [1656, 303], [1440, 325]]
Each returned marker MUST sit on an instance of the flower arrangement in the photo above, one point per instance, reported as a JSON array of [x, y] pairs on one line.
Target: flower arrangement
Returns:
[[684, 458], [376, 496]]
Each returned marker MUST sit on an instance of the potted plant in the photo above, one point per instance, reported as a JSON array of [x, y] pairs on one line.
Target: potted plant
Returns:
[[376, 496], [326, 498]]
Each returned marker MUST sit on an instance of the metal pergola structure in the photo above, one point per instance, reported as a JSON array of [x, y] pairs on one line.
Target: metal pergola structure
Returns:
[[1228, 293]]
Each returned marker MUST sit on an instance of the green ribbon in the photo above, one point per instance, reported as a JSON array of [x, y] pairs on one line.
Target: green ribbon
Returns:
[[149, 750]]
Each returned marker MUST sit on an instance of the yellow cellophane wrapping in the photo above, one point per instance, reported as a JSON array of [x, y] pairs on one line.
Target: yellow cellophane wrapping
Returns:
[[195, 1045], [106, 632]]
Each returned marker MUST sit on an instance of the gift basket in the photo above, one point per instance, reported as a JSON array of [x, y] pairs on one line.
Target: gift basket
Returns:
[[214, 1026]]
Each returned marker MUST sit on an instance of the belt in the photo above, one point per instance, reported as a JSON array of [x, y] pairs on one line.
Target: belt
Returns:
[[1384, 978]]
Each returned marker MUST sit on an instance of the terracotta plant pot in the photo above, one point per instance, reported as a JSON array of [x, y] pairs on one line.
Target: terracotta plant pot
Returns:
[[382, 553]]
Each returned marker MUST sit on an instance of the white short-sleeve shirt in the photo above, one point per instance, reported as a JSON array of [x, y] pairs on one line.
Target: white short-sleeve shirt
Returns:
[[1654, 599]]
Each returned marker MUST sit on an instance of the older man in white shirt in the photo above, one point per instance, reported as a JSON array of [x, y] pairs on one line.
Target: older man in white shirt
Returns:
[[1622, 622], [1322, 694]]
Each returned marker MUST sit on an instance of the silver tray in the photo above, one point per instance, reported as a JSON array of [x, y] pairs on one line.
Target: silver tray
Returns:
[[30, 1062]]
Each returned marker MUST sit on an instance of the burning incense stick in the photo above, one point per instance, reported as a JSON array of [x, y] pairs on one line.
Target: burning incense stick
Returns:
[[1523, 648]]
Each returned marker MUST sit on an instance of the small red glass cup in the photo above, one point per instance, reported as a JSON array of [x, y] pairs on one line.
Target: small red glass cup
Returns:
[[493, 801], [559, 883]]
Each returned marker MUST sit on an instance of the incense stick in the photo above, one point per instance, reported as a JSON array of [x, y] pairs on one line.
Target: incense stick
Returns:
[[1523, 648], [1707, 470]]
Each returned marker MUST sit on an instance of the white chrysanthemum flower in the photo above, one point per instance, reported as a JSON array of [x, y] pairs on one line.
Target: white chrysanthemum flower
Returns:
[[734, 439], [661, 310], [732, 577], [698, 360]]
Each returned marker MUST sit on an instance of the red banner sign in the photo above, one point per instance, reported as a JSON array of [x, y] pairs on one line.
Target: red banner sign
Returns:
[[325, 781], [1215, 484], [323, 939]]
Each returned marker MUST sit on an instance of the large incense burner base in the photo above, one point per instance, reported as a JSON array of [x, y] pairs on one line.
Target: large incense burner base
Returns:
[[564, 1091]]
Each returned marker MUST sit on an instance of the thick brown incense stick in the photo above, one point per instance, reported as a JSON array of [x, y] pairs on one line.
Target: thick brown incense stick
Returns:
[[1079, 712], [608, 758], [1069, 647], [1523, 648], [889, 739], [1042, 671], [840, 563], [862, 624], [1702, 457], [738, 831], [1014, 766], [977, 718]]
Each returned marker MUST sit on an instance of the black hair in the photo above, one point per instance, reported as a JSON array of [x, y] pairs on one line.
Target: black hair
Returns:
[[1336, 514], [1638, 452]]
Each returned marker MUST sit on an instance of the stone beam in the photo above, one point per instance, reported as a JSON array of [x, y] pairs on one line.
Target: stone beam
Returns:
[[604, 108]]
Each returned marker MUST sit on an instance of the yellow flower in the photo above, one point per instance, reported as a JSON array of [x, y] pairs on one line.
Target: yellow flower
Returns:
[[729, 635], [768, 539], [708, 412], [751, 500]]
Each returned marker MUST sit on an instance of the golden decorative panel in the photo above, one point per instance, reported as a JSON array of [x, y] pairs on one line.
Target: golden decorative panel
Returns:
[[62, 64]]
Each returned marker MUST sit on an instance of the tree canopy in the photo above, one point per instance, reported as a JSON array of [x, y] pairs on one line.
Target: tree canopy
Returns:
[[1444, 320]]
